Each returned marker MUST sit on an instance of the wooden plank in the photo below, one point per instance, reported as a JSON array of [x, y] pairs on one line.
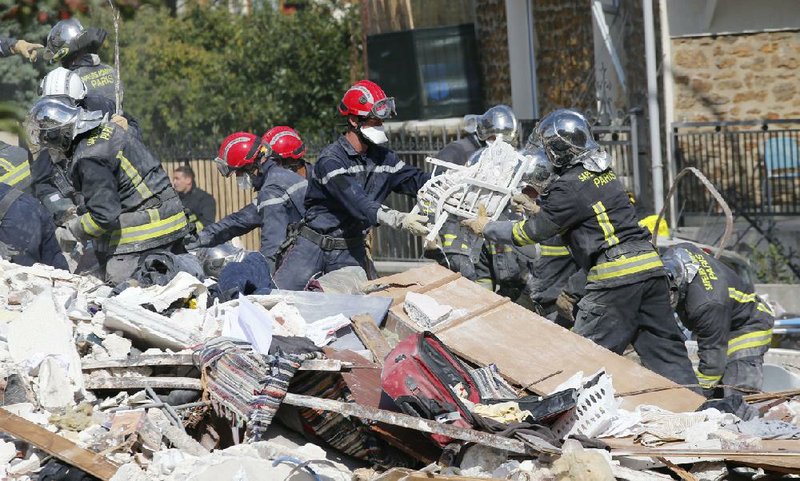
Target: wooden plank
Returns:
[[365, 386], [527, 348], [774, 455], [367, 330], [140, 361], [57, 446], [122, 383], [404, 420], [188, 360]]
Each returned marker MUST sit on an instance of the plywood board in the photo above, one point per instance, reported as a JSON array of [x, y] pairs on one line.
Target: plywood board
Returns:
[[57, 446], [526, 347], [774, 455]]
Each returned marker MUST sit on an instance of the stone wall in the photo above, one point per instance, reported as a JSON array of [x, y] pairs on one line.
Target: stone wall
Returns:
[[737, 77], [565, 54], [492, 39]]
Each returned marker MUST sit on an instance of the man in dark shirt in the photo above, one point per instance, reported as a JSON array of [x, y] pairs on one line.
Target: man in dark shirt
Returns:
[[201, 205]]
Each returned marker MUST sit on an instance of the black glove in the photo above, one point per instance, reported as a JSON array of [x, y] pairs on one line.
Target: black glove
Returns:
[[191, 242]]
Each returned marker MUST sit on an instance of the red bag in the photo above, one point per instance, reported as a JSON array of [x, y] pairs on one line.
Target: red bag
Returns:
[[420, 374]]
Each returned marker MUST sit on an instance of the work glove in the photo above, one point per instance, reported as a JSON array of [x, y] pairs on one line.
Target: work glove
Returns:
[[522, 204], [27, 49], [434, 245], [192, 242], [66, 239], [75, 229], [565, 305], [415, 224], [478, 224], [120, 120]]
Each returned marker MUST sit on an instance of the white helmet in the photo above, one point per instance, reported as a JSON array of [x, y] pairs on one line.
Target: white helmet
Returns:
[[65, 82]]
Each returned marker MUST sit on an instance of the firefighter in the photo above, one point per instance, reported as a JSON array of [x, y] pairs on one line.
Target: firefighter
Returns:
[[76, 49], [11, 46], [550, 279], [346, 187], [129, 206], [268, 165], [50, 182], [732, 324], [27, 234], [627, 292], [461, 249]]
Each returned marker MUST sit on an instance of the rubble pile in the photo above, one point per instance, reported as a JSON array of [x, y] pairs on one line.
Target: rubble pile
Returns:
[[168, 383]]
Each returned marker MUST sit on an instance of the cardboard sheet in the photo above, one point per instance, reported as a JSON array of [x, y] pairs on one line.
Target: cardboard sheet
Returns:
[[528, 349]]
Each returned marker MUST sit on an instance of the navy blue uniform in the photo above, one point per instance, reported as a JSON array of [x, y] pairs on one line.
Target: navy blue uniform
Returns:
[[278, 205], [5, 46], [345, 192], [27, 234]]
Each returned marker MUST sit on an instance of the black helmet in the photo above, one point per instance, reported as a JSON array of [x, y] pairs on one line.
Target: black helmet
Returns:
[[681, 268]]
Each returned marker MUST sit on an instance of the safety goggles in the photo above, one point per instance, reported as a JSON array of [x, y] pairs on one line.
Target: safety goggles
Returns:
[[383, 109], [258, 149]]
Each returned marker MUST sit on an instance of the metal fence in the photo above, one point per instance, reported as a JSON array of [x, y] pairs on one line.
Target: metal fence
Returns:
[[755, 165], [413, 146]]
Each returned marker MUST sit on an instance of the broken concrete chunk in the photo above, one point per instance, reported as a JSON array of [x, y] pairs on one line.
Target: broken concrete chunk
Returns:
[[54, 387], [117, 346], [424, 310], [578, 464], [149, 327], [26, 466]]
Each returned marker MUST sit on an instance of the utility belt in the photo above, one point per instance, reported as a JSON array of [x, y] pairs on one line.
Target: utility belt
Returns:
[[626, 263], [329, 243]]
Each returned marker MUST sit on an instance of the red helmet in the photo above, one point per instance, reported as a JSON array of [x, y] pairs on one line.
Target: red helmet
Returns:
[[237, 151], [285, 142], [367, 99]]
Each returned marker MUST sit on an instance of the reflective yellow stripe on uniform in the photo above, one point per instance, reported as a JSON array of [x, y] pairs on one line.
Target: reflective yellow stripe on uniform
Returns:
[[624, 266], [744, 298], [15, 175], [134, 176], [750, 340], [520, 236], [90, 226], [554, 251], [151, 230], [448, 239], [706, 380], [605, 224]]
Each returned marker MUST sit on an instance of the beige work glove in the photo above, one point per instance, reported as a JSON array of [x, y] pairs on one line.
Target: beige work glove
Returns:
[[477, 224], [415, 224], [565, 304], [27, 49], [522, 204], [120, 120]]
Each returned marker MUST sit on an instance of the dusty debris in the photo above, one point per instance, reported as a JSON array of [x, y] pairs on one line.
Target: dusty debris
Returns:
[[142, 385]]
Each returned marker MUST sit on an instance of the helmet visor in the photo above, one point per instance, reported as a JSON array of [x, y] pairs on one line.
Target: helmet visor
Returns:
[[540, 172], [224, 169], [471, 123], [383, 109], [51, 122]]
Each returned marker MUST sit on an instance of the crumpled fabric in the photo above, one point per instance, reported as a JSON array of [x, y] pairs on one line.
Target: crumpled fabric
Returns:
[[251, 276], [161, 267], [506, 412], [766, 429]]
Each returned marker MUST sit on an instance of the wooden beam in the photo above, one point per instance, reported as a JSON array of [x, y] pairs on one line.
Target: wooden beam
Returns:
[[122, 383], [57, 446], [406, 421], [367, 330], [332, 365], [140, 361]]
